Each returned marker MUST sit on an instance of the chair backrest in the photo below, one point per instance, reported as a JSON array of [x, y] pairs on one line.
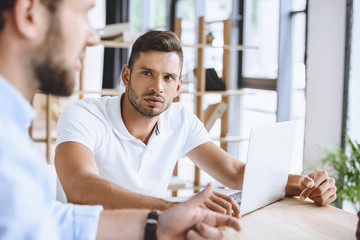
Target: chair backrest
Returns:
[[60, 194], [51, 173], [56, 189]]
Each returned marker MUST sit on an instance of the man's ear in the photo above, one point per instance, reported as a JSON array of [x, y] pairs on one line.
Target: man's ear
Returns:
[[125, 75], [178, 88], [30, 17]]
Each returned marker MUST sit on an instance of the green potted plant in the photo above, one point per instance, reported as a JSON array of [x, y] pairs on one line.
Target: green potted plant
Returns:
[[346, 163]]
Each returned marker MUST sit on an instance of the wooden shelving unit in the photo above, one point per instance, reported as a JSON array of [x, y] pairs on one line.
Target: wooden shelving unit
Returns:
[[201, 82]]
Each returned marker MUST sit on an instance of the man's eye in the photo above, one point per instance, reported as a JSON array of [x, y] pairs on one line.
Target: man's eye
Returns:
[[146, 73], [169, 78]]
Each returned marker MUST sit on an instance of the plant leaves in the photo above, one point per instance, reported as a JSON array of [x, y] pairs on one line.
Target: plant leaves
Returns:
[[346, 162]]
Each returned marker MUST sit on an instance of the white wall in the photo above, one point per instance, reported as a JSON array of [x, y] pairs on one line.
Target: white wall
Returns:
[[353, 115], [325, 74], [353, 126], [93, 65]]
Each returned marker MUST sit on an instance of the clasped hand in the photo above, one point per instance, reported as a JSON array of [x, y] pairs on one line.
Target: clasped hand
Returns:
[[223, 204], [319, 187]]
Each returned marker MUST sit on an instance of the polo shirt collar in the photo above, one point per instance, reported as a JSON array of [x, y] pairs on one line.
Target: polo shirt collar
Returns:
[[14, 105], [162, 129]]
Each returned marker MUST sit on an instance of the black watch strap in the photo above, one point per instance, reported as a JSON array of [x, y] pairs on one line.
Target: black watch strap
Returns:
[[151, 223]]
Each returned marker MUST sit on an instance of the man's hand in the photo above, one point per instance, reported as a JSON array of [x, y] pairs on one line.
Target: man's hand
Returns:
[[319, 187], [223, 204], [358, 228], [191, 220]]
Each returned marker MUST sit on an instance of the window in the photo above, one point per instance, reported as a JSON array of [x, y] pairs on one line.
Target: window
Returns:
[[148, 15], [261, 29], [261, 67]]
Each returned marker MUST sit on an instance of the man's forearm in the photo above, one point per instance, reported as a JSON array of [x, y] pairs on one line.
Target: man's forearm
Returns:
[[92, 189], [235, 176], [218, 164], [124, 224]]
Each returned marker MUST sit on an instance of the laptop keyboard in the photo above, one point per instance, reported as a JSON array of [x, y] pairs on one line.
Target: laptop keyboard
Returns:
[[237, 197]]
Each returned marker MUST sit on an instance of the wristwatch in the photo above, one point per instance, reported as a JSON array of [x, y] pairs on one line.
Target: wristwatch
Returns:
[[151, 223]]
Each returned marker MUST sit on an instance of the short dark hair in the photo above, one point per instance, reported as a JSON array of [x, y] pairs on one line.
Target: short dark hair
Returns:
[[162, 41], [4, 5], [9, 4]]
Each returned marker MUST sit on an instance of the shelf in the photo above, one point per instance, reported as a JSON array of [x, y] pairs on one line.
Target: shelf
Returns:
[[39, 140], [229, 139], [226, 46], [118, 44], [222, 93], [105, 91], [114, 92]]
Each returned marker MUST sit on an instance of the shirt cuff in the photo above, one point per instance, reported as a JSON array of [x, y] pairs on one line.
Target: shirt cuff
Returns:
[[86, 219], [76, 221]]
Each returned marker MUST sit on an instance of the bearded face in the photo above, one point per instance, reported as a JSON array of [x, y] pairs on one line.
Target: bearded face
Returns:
[[56, 76], [148, 112]]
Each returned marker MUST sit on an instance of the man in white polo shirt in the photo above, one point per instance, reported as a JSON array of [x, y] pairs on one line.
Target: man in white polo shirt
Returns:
[[120, 152], [141, 167]]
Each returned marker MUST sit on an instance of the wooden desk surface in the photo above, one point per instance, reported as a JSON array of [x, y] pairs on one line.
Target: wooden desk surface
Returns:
[[291, 218]]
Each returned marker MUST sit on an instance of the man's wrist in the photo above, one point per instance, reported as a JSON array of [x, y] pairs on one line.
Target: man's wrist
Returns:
[[151, 225], [161, 229], [166, 204]]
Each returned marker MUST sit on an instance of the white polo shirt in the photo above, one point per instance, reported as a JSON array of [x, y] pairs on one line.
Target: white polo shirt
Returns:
[[124, 159]]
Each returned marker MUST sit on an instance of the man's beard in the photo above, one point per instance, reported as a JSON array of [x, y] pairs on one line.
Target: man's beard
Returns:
[[145, 112], [55, 76]]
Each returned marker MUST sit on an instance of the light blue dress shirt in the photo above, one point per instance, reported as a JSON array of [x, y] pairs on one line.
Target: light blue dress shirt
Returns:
[[27, 210]]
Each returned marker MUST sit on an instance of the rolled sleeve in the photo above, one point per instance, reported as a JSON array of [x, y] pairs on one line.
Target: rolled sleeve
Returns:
[[77, 221]]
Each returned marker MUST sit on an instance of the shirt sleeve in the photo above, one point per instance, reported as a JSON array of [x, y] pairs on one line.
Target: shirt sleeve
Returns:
[[76, 221], [27, 210], [197, 133], [25, 201], [73, 125]]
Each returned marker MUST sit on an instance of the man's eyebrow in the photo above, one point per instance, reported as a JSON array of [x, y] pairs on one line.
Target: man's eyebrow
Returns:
[[146, 69], [173, 75]]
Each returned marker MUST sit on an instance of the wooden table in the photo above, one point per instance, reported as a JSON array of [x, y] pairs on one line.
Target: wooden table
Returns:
[[291, 218]]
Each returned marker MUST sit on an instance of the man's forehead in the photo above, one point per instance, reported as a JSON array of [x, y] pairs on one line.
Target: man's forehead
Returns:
[[149, 56], [82, 4], [154, 60]]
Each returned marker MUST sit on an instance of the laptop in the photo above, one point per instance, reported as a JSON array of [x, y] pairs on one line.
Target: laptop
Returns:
[[267, 166]]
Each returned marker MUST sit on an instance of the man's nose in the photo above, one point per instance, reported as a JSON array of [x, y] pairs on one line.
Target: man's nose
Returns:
[[158, 85], [93, 38]]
